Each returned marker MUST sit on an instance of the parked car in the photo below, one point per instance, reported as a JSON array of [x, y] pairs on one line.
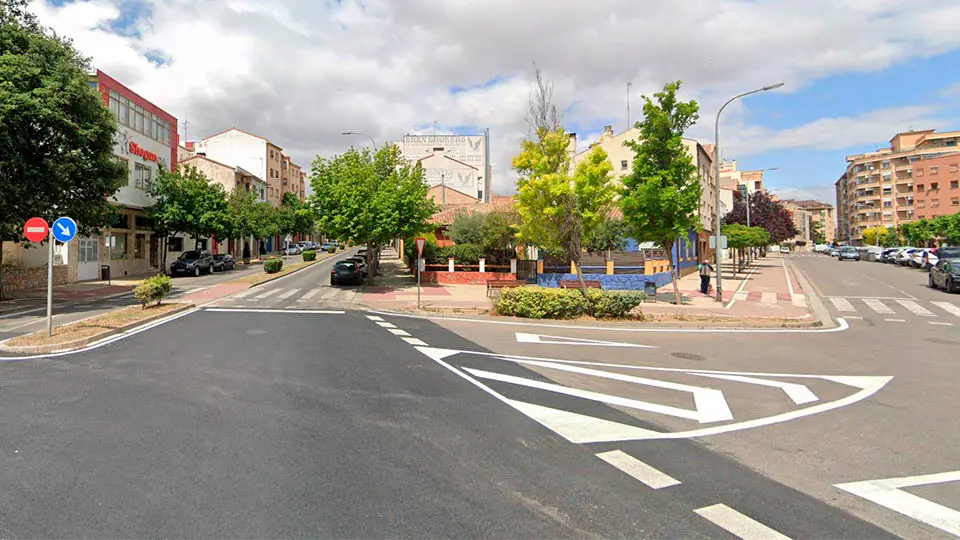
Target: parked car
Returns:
[[292, 249], [848, 253], [346, 272], [359, 261], [921, 258], [223, 262], [905, 256], [948, 252], [192, 262], [783, 249], [886, 254], [946, 275]]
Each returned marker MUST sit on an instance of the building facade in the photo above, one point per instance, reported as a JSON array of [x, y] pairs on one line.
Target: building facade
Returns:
[[251, 152], [808, 215], [731, 178], [878, 187], [460, 162], [937, 186]]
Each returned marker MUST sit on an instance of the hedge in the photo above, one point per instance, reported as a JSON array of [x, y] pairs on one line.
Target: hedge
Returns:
[[332, 249], [153, 289], [548, 303], [272, 266], [309, 255]]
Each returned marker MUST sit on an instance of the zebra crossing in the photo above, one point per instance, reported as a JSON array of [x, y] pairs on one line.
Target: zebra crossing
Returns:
[[847, 306], [289, 297]]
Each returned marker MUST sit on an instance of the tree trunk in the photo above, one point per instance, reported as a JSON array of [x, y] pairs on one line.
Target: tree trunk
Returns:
[[1, 269], [673, 277], [583, 286]]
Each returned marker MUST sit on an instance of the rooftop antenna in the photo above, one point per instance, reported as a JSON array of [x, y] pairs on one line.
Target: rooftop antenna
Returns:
[[628, 104], [185, 124]]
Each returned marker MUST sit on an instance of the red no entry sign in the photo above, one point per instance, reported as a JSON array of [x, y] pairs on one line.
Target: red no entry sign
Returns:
[[36, 229]]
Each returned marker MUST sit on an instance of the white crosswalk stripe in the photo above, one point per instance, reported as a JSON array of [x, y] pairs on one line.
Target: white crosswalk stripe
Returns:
[[264, 295], [798, 300], [842, 304], [310, 294], [948, 307], [288, 294], [878, 306], [916, 308], [246, 293]]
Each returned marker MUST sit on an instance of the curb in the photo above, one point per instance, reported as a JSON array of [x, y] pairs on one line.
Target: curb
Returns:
[[82, 342], [819, 312]]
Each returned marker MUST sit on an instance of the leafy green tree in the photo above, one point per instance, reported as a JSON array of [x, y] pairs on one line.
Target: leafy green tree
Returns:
[[467, 228], [499, 235], [370, 197], [187, 203], [817, 234], [56, 136], [611, 234], [250, 218], [661, 198], [947, 228]]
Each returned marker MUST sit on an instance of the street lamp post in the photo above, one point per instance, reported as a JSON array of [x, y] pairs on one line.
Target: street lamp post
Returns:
[[362, 135], [716, 164]]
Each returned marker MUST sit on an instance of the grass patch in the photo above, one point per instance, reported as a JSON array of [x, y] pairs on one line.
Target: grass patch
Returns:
[[100, 324]]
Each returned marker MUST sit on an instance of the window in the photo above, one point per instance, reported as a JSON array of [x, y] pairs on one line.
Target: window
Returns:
[[950, 142], [138, 242], [934, 186], [122, 221], [954, 184], [954, 201], [115, 104], [143, 223], [921, 203], [919, 172], [175, 244], [887, 204], [934, 203], [271, 154], [885, 164], [143, 176], [201, 245], [886, 178], [124, 111], [137, 123], [623, 165], [920, 188], [117, 243], [934, 170], [87, 250]]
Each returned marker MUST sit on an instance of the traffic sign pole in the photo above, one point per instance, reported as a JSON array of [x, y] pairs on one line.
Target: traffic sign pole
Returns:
[[50, 285], [420, 243]]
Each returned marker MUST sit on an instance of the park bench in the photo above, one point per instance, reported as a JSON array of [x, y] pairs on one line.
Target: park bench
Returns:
[[499, 285], [575, 284]]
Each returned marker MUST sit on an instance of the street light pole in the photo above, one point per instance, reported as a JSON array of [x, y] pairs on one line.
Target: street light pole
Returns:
[[362, 135], [716, 164]]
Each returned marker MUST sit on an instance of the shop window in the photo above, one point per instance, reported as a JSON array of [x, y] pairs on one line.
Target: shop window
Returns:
[[175, 244], [138, 242], [117, 243]]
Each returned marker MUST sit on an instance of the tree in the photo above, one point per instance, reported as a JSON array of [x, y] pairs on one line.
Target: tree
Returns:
[[947, 228], [467, 228], [611, 234], [370, 197], [661, 198], [294, 216], [918, 233], [764, 212], [878, 236], [250, 217], [56, 136], [186, 203], [499, 234], [817, 234]]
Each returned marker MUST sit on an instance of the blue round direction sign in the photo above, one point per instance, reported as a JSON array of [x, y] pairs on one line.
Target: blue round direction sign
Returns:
[[64, 229]]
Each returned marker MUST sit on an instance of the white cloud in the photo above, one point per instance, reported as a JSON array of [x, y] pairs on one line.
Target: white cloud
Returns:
[[302, 71]]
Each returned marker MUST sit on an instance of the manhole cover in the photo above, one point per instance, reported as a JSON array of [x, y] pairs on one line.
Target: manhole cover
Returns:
[[943, 341], [688, 356]]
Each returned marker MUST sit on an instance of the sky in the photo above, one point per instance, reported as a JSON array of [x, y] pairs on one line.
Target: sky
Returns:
[[300, 72]]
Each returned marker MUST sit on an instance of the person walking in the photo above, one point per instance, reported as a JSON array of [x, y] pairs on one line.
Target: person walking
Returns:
[[706, 269]]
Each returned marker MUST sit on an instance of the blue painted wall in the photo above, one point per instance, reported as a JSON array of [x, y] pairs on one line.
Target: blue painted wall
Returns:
[[616, 282]]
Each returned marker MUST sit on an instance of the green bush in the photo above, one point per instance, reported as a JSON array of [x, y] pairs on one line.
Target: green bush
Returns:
[[153, 289], [332, 249], [546, 303], [309, 255], [272, 266], [463, 253], [431, 251]]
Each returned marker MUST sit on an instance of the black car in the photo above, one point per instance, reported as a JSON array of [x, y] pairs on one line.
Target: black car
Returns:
[[223, 262], [946, 275], [192, 263], [359, 261], [346, 272]]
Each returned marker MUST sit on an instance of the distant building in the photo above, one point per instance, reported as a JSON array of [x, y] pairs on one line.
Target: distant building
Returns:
[[459, 162], [807, 212]]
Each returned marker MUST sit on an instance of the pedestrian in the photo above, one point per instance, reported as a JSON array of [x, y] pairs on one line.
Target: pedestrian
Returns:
[[705, 270]]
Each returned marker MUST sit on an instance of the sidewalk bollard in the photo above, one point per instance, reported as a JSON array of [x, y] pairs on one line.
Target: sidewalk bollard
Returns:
[[483, 265], [450, 264], [513, 266]]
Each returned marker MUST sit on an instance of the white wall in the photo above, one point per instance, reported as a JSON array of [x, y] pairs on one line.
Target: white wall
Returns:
[[129, 194], [236, 148]]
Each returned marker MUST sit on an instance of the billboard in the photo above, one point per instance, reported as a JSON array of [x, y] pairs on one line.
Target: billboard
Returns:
[[470, 149]]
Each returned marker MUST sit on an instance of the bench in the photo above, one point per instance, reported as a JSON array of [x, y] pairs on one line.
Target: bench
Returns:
[[575, 284], [499, 285]]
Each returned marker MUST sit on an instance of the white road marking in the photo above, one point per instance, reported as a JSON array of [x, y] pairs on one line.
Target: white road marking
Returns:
[[740, 296], [916, 308], [310, 294], [398, 332], [6, 315], [799, 300], [710, 405], [374, 318], [738, 524], [941, 323], [256, 310], [560, 340], [799, 393], [948, 307], [857, 317], [288, 294], [414, 341], [895, 320], [842, 304], [386, 324], [638, 469], [768, 298], [244, 294], [888, 492], [264, 295], [878, 306], [787, 275]]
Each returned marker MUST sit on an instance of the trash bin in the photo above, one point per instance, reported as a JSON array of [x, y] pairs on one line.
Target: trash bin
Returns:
[[650, 289], [105, 273]]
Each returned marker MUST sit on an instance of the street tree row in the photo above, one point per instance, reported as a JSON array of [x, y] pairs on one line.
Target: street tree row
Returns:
[[920, 233]]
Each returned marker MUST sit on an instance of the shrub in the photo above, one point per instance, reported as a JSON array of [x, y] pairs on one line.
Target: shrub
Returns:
[[332, 249], [153, 289], [541, 303], [463, 253], [272, 266], [614, 304], [431, 251], [309, 255]]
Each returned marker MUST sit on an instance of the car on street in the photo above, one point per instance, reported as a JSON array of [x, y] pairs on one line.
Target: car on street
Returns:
[[193, 263], [223, 262], [848, 253], [905, 256], [921, 258], [887, 254], [784, 249], [359, 261], [292, 249], [346, 273], [946, 275]]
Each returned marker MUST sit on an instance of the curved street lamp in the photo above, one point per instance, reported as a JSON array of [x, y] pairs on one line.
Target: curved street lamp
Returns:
[[716, 164], [361, 134]]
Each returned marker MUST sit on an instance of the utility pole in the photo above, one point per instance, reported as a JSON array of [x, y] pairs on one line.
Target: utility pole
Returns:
[[628, 104], [185, 124], [443, 189]]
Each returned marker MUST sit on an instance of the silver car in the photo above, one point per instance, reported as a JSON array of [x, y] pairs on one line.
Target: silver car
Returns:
[[848, 253]]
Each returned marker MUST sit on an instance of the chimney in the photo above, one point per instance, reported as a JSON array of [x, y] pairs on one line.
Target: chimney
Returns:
[[572, 143], [608, 130]]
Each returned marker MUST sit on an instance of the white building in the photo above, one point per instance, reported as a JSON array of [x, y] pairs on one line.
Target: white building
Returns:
[[238, 148], [460, 162]]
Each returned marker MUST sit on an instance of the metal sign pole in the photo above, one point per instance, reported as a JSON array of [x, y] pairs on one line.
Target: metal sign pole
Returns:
[[50, 285], [418, 283]]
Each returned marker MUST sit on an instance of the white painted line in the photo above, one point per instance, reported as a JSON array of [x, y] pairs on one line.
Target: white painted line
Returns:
[[288, 294], [639, 470], [768, 298], [740, 296], [374, 318], [36, 230], [266, 294], [398, 332], [799, 300], [256, 310], [713, 410], [895, 320], [916, 308], [386, 324], [878, 306], [244, 294], [857, 317], [787, 275], [842, 304], [799, 393], [415, 341], [743, 284], [309, 295], [6, 315], [889, 492], [948, 307], [560, 340], [941, 323], [738, 524], [876, 297]]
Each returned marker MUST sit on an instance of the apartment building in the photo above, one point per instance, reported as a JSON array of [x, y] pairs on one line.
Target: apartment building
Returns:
[[732, 178], [292, 178], [937, 186], [877, 188], [251, 152], [807, 213]]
